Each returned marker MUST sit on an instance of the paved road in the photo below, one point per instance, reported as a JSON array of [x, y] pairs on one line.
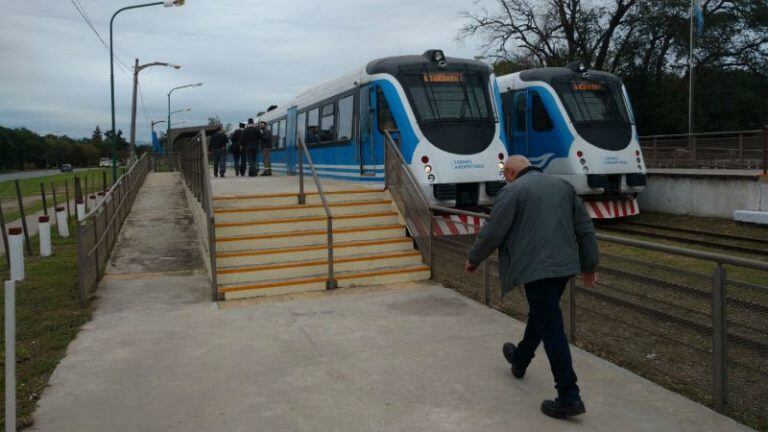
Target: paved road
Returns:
[[159, 356], [31, 174]]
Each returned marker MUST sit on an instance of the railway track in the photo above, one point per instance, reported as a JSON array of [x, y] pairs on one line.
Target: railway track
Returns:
[[624, 229]]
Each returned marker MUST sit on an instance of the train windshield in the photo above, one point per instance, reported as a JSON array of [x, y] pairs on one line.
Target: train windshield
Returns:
[[594, 100], [444, 96]]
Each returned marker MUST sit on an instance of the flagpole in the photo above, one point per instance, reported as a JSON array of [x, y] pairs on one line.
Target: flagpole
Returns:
[[691, 141]]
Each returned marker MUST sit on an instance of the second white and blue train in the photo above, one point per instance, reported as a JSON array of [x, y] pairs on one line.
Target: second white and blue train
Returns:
[[445, 112]]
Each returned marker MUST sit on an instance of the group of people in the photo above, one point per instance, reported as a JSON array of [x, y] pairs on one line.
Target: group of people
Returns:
[[245, 143]]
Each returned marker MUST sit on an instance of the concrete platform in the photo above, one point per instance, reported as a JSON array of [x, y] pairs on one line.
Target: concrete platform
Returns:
[[707, 173], [158, 356], [231, 185]]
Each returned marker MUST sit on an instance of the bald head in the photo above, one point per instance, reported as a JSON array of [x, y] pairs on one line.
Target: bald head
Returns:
[[513, 166]]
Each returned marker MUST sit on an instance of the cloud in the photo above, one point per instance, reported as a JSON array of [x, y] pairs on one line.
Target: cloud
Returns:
[[54, 72]]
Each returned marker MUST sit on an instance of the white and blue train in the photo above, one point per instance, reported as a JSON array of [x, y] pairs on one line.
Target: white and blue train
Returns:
[[578, 124], [445, 112]]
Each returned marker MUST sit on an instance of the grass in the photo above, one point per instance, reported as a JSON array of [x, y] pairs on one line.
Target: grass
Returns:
[[30, 190], [48, 317]]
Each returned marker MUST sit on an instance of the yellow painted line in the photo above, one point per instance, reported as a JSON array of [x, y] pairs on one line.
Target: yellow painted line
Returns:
[[311, 248], [298, 206], [292, 194], [316, 262], [306, 219], [322, 279], [306, 233]]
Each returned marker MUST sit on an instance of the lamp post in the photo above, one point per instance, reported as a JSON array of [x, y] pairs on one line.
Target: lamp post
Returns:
[[136, 69], [166, 3], [168, 123]]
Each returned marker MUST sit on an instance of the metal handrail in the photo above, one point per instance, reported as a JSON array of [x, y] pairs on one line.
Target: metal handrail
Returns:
[[331, 283], [112, 189], [685, 135], [208, 206], [391, 143]]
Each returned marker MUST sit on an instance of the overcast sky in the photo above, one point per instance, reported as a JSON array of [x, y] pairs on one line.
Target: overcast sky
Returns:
[[54, 72]]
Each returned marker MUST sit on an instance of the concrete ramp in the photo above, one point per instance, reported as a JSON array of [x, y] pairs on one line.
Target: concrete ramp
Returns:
[[410, 357]]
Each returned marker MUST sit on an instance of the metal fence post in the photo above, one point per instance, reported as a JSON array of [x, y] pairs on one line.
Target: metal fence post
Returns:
[[719, 339], [10, 356], [45, 203], [572, 309], [53, 194], [486, 283], [765, 149], [23, 217], [5, 236], [655, 152], [66, 196]]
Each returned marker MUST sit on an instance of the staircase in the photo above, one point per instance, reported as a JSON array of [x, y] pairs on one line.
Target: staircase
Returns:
[[269, 245]]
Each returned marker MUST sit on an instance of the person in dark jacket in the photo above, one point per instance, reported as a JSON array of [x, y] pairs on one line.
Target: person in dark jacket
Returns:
[[218, 144], [238, 153], [250, 141], [544, 237], [266, 148]]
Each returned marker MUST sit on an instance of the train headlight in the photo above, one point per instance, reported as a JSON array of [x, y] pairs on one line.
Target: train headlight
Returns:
[[431, 178], [427, 169], [501, 165], [501, 175], [583, 161], [639, 168], [586, 169]]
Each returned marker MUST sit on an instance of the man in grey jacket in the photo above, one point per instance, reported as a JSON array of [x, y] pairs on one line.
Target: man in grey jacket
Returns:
[[544, 236]]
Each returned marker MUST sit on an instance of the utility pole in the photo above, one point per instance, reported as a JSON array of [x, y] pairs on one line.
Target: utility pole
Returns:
[[136, 70]]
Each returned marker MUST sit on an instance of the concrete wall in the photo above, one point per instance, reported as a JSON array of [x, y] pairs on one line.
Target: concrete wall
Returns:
[[703, 195], [201, 226]]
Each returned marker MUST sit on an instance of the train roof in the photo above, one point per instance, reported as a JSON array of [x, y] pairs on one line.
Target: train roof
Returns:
[[548, 74], [392, 65]]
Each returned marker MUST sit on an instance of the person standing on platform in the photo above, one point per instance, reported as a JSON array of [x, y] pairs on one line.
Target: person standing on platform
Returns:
[[544, 237], [238, 154], [250, 142], [266, 148], [219, 142]]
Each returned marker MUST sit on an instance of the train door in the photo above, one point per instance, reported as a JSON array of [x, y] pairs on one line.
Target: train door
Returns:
[[366, 150], [518, 137], [290, 142]]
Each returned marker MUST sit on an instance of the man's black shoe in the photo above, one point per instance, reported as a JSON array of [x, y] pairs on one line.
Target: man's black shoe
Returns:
[[559, 410], [215, 174], [509, 349]]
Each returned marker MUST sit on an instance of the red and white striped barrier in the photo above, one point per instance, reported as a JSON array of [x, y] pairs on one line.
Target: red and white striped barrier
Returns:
[[447, 225], [612, 209]]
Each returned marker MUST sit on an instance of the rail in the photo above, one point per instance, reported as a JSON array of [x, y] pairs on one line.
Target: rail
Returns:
[[97, 233], [331, 283], [698, 332], [408, 196], [192, 161], [746, 149]]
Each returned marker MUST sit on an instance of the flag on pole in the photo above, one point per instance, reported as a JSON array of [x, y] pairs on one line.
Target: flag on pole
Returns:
[[698, 16]]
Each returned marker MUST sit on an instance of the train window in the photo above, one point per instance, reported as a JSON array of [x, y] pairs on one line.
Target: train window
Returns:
[[327, 123], [521, 106], [598, 100], [346, 111], [313, 126], [281, 132], [541, 120], [385, 119], [451, 96], [301, 127]]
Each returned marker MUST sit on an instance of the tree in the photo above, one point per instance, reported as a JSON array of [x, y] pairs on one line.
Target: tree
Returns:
[[646, 43]]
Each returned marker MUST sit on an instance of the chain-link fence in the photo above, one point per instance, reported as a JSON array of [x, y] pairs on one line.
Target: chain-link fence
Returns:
[[718, 150], [694, 322], [97, 232]]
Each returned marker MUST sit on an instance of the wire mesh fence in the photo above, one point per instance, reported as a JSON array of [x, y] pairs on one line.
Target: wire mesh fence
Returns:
[[654, 312], [97, 233]]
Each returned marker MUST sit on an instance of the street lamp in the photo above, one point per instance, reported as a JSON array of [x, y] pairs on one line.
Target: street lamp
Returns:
[[180, 111], [166, 3], [136, 70], [168, 133]]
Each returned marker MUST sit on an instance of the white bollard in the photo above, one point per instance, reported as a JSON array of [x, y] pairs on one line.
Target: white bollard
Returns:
[[10, 356], [80, 210], [16, 251], [93, 202], [44, 234], [100, 200], [61, 221]]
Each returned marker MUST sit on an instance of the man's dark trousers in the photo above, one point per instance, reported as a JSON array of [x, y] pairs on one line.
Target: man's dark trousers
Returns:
[[253, 161], [220, 161], [545, 324], [236, 161]]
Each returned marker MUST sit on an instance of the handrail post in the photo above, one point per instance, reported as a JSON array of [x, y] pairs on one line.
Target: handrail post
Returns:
[[302, 197], [719, 339], [331, 283], [765, 149], [486, 283]]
